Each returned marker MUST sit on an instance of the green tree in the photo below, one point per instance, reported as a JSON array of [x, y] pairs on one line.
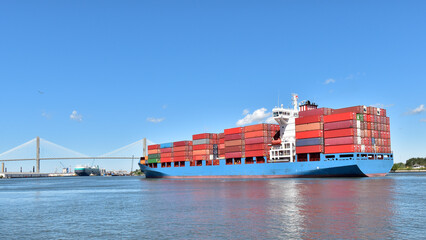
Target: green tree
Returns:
[[412, 161], [397, 166]]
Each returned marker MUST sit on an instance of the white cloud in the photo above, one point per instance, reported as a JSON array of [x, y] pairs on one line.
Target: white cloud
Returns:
[[155, 120], [423, 120], [45, 115], [246, 111], [381, 105], [164, 106], [258, 115], [418, 109], [330, 80], [76, 116], [270, 120]]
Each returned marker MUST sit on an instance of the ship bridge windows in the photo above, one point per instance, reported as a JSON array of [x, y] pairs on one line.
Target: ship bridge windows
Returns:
[[330, 156], [346, 155]]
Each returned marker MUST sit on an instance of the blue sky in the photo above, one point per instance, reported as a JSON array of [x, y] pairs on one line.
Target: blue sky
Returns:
[[168, 69]]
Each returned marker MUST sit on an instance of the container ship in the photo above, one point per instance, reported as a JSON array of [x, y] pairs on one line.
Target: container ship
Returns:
[[307, 141]]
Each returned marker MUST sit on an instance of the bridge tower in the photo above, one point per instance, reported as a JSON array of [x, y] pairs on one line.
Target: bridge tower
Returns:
[[38, 155], [144, 147]]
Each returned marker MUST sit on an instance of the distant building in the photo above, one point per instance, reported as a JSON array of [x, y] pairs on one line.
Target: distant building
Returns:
[[417, 166]]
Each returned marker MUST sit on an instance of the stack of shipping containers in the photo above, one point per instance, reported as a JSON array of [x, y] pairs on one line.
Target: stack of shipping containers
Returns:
[[166, 154], [357, 129], [257, 140], [153, 154], [310, 134], [234, 145], [221, 145], [182, 152], [205, 147]]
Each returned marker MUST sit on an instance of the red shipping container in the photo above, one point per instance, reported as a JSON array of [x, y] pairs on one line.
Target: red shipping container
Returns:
[[256, 134], [178, 159], [340, 125], [222, 140], [182, 143], [257, 153], [221, 135], [372, 110], [318, 111], [309, 134], [340, 133], [258, 127], [342, 141], [309, 149], [166, 150], [202, 136], [169, 154], [201, 157], [181, 154], [233, 130], [257, 140], [234, 155], [309, 127], [233, 143], [166, 159], [258, 146], [340, 117], [182, 148], [309, 119], [235, 136], [355, 109], [342, 149], [202, 147], [202, 152], [155, 146], [234, 149], [153, 151]]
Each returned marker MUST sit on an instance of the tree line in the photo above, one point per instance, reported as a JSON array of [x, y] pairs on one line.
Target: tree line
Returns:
[[409, 163]]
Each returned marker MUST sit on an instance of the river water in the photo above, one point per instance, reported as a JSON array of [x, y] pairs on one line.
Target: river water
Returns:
[[391, 207]]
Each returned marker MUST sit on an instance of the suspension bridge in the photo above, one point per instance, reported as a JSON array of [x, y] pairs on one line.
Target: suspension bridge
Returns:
[[39, 149]]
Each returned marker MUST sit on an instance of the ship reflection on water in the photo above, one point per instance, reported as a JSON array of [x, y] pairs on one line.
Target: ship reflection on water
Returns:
[[287, 208]]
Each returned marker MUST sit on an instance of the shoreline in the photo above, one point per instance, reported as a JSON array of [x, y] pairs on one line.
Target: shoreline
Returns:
[[407, 171]]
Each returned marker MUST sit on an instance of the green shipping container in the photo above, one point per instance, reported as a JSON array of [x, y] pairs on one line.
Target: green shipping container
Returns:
[[153, 156], [153, 160], [360, 117]]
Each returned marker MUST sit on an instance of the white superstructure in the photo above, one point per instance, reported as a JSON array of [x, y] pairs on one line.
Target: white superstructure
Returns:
[[285, 150]]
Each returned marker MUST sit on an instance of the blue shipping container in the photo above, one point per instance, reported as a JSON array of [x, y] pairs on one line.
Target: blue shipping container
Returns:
[[309, 142], [166, 145]]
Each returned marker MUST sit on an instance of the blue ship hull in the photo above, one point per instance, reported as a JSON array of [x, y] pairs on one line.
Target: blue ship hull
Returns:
[[330, 165]]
